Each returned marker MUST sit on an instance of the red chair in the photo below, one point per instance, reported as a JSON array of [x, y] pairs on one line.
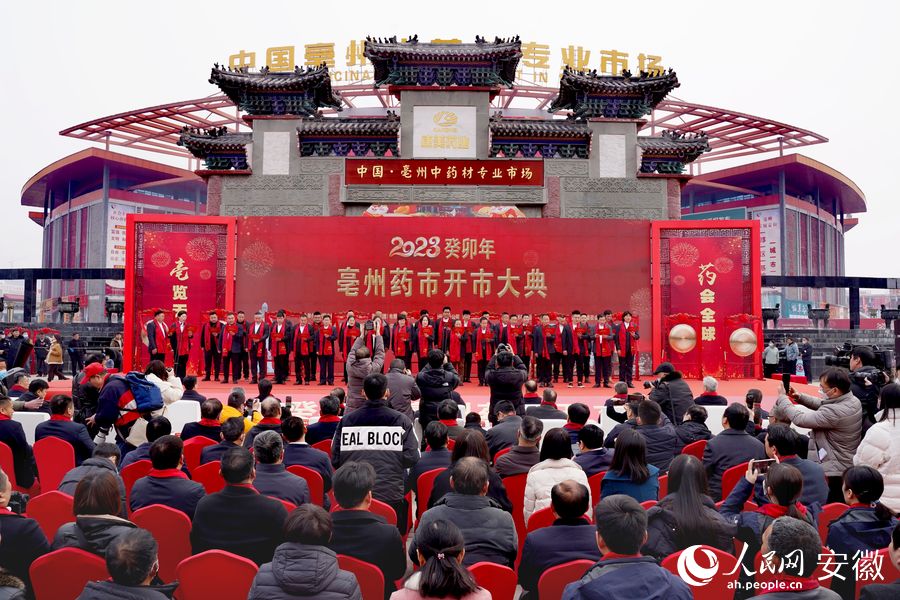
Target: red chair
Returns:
[[369, 577], [51, 510], [663, 486], [54, 458], [192, 449], [764, 580], [62, 574], [541, 518], [707, 556], [215, 574], [829, 513], [501, 453], [730, 478], [324, 446], [8, 464], [889, 572], [132, 473], [515, 491], [500, 581], [554, 580], [424, 485], [695, 449], [594, 482], [313, 480], [288, 505], [648, 504], [172, 530], [208, 475]]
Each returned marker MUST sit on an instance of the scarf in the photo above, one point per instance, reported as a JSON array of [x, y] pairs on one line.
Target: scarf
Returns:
[[270, 421], [211, 332], [425, 339], [455, 344], [401, 335], [602, 347], [60, 418], [276, 339], [167, 474], [483, 347], [162, 333], [326, 345], [776, 510], [449, 422], [329, 419], [209, 423], [301, 344]]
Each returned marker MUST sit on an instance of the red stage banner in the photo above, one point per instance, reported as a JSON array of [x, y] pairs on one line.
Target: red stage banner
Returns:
[[709, 269], [518, 265], [397, 171], [174, 267]]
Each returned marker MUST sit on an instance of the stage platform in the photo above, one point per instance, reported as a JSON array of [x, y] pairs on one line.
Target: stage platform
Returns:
[[305, 397]]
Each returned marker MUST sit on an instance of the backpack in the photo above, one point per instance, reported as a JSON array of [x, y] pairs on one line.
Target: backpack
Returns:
[[147, 396]]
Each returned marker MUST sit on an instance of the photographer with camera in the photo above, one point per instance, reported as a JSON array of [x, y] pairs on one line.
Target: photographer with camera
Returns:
[[671, 392], [362, 362], [505, 375], [436, 380], [866, 381]]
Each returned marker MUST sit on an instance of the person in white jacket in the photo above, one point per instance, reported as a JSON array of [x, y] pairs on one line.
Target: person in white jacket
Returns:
[[880, 448], [556, 465], [171, 389]]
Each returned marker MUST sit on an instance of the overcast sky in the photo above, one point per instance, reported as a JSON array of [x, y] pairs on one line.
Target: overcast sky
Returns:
[[831, 67]]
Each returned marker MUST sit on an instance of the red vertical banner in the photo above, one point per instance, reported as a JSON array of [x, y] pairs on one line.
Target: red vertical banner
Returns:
[[175, 264], [709, 270]]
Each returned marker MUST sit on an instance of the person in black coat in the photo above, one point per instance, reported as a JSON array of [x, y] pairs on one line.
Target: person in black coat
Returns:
[[710, 395], [166, 483], [693, 428], [731, 447], [156, 428], [104, 460], [435, 381], [189, 393], [208, 426], [571, 537], [671, 392], [13, 435], [661, 440], [232, 436], [298, 452], [238, 519], [272, 478], [889, 590], [270, 408], [61, 426], [547, 408], [593, 457], [324, 428], [505, 375], [437, 457], [96, 501], [133, 564], [21, 539], [362, 534], [471, 443], [506, 432]]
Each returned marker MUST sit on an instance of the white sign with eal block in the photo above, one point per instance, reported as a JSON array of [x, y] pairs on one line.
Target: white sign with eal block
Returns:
[[444, 132]]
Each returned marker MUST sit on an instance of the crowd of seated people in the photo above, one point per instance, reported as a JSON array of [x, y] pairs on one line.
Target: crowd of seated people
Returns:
[[483, 494]]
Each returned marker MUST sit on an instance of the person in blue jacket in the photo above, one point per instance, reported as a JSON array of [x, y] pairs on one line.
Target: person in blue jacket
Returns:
[[622, 572], [864, 527], [629, 472]]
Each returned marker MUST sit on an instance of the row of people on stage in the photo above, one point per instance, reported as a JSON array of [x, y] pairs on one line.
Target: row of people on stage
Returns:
[[550, 347]]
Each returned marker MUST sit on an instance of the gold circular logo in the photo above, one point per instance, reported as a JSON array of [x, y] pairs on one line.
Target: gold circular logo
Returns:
[[683, 338], [445, 118], [743, 341]]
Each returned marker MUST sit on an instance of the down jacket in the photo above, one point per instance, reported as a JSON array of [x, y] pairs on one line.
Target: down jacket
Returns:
[[171, 390], [836, 425], [543, 476], [359, 369], [300, 571], [880, 449], [673, 395]]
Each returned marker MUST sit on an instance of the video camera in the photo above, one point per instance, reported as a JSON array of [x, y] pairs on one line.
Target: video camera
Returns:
[[841, 358]]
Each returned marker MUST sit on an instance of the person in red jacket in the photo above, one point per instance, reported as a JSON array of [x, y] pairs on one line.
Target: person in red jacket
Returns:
[[425, 340], [526, 343], [180, 336], [604, 345], [454, 339], [279, 347], [582, 345], [627, 336], [485, 343], [325, 349], [401, 336], [211, 343], [303, 339], [349, 332], [469, 346]]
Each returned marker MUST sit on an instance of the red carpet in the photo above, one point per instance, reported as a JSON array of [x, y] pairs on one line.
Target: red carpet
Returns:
[[306, 397]]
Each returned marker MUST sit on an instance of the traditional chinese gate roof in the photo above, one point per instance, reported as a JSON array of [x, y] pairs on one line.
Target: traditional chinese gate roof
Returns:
[[340, 137], [547, 138], [588, 94], [671, 151], [219, 148], [264, 92], [482, 64], [546, 128]]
